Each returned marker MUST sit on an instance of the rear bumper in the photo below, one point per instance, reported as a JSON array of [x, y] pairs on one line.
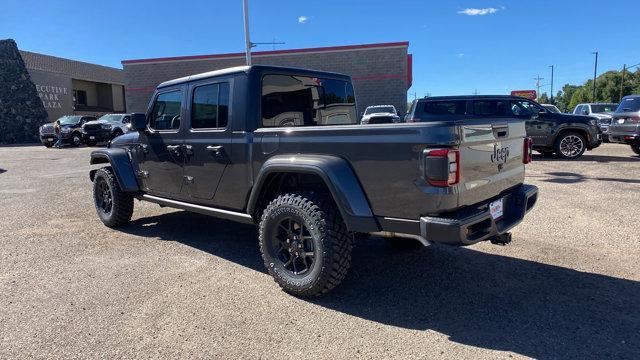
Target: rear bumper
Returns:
[[624, 138], [469, 225]]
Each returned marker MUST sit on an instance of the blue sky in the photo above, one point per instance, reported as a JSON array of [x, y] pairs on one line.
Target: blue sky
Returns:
[[457, 46]]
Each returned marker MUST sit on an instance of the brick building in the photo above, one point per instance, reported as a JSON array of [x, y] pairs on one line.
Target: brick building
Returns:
[[73, 87], [381, 73]]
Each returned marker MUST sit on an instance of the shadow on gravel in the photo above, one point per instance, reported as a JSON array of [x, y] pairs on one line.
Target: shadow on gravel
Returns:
[[587, 157], [3, 171], [563, 177], [489, 301]]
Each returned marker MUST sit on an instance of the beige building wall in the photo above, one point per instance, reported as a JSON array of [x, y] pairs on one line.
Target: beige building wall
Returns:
[[117, 92]]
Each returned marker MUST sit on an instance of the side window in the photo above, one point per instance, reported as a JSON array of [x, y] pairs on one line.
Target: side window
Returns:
[[523, 108], [210, 106], [165, 114], [439, 108], [290, 100], [578, 109], [489, 108]]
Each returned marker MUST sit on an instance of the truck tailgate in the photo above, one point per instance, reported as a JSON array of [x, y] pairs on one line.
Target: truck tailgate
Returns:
[[491, 154]]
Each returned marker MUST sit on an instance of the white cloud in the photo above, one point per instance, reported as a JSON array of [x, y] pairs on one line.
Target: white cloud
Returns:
[[302, 19], [483, 11], [460, 55]]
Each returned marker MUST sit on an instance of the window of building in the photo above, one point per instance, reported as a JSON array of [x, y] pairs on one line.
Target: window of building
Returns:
[[80, 97], [210, 107], [289, 100], [165, 114]]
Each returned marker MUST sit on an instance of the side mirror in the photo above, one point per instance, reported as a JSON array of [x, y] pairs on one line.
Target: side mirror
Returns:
[[585, 112], [138, 122]]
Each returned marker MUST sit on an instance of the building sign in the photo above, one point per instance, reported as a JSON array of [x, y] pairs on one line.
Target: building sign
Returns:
[[529, 94], [51, 96]]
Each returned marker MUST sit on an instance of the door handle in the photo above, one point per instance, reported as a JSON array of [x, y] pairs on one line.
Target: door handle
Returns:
[[216, 149], [188, 149], [174, 149]]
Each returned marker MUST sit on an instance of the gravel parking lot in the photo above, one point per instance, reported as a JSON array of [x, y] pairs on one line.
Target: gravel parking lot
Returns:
[[176, 284]]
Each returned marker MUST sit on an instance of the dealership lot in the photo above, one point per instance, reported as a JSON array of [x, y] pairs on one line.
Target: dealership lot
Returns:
[[180, 284]]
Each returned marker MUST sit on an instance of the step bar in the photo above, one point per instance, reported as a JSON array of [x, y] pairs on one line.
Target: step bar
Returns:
[[201, 209]]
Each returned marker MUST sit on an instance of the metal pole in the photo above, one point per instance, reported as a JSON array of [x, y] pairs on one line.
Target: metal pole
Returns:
[[624, 69], [551, 83], [247, 39], [595, 71]]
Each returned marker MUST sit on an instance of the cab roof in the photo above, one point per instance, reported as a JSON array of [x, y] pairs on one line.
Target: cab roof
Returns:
[[247, 69]]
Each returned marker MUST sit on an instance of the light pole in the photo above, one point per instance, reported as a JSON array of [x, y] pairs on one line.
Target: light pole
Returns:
[[595, 71], [551, 66], [247, 38], [537, 79]]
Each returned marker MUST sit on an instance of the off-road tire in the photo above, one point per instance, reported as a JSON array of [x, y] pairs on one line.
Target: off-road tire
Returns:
[[636, 148], [331, 241], [565, 137], [121, 202]]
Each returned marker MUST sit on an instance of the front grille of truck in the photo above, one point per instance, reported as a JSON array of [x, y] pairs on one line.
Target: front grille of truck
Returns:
[[381, 120], [92, 127], [48, 131]]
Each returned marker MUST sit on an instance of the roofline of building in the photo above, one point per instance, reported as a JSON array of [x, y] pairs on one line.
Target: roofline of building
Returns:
[[269, 53], [67, 59]]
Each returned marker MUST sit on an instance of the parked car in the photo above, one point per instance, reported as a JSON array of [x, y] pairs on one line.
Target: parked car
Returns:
[[566, 135], [380, 114], [105, 128], [552, 108], [70, 127], [312, 186], [625, 126], [602, 111]]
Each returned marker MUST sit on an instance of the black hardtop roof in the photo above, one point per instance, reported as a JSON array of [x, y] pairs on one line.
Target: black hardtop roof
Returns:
[[471, 97], [248, 69]]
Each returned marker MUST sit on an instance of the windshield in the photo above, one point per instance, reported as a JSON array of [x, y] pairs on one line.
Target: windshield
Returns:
[[603, 108], [552, 108], [379, 109], [110, 118], [631, 104], [69, 120]]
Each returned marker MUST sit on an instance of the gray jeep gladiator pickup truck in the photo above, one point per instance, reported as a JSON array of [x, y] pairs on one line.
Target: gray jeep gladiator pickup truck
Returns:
[[283, 148]]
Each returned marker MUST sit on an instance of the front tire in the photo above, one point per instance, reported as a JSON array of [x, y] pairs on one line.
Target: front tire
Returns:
[[304, 243], [114, 207], [570, 145], [636, 148], [76, 140]]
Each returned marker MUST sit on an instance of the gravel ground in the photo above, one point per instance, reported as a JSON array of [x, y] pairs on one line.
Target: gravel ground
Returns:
[[176, 284]]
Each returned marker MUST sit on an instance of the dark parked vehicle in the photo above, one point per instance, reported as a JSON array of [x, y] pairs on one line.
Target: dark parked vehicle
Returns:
[[209, 144], [625, 126], [105, 128], [566, 135], [70, 127]]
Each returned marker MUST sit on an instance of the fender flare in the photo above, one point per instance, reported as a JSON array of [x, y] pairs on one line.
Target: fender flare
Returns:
[[337, 175], [119, 160]]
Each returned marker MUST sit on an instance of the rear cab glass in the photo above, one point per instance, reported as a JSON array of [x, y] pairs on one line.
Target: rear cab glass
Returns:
[[292, 100], [440, 110]]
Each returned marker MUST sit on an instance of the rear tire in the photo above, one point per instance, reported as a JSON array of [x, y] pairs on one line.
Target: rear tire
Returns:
[[636, 148], [570, 145], [114, 207], [304, 243]]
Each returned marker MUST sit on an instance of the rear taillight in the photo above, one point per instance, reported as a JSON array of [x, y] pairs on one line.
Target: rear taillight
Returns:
[[634, 119], [442, 167], [527, 150]]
